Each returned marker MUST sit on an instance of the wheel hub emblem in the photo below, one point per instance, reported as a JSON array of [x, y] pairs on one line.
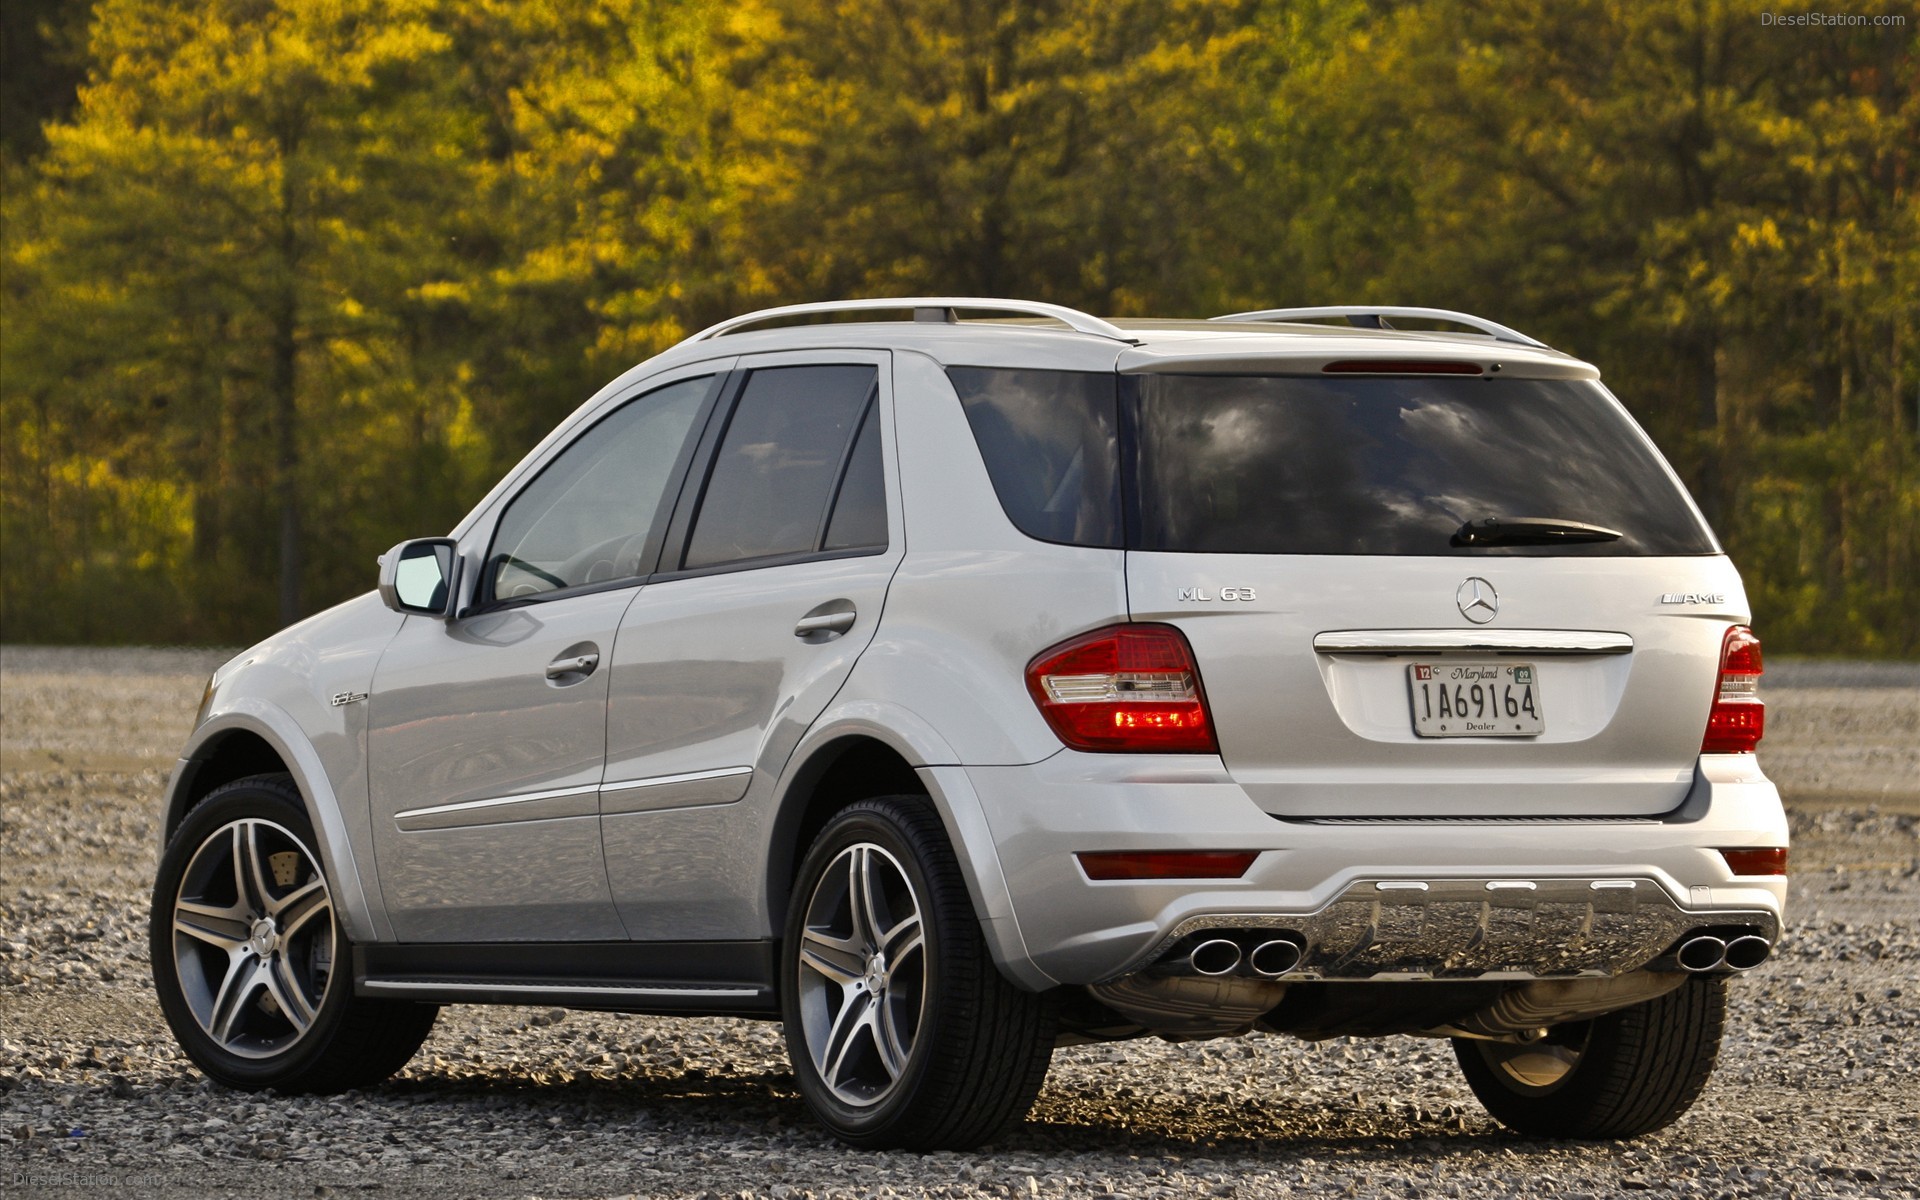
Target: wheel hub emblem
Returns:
[[265, 938], [876, 979], [1478, 601]]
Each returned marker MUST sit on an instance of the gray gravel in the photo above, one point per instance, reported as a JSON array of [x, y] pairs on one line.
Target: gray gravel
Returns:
[[1814, 1097]]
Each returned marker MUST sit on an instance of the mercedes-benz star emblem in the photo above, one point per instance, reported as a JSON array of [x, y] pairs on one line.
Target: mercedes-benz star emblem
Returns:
[[1478, 601]]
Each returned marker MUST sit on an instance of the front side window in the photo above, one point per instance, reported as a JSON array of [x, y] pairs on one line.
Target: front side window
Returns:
[[780, 464], [590, 516]]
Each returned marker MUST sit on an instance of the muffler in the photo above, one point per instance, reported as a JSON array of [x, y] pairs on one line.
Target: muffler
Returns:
[[1746, 952], [1275, 958], [1706, 952]]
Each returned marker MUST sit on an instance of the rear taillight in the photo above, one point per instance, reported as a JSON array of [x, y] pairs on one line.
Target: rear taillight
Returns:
[[1738, 719], [1125, 688]]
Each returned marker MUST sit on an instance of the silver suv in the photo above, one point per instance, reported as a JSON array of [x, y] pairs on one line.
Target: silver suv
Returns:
[[950, 690]]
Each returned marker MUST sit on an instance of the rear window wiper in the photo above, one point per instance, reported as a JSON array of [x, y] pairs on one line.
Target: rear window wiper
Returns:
[[1529, 531]]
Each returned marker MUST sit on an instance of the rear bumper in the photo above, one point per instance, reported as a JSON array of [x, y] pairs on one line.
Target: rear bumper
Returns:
[[1321, 877]]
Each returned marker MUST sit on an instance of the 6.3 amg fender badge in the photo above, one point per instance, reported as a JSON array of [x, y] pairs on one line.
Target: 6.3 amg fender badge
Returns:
[[340, 698], [1478, 601]]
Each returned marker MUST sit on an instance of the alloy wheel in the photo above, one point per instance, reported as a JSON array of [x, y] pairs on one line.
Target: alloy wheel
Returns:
[[862, 967], [253, 938]]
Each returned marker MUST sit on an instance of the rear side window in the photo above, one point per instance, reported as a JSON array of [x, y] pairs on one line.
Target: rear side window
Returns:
[[1051, 445], [779, 463], [859, 517], [1317, 465]]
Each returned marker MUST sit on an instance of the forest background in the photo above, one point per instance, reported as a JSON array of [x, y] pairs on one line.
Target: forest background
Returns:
[[286, 281]]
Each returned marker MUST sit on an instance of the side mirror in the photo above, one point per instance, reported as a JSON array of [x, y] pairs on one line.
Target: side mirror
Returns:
[[420, 576]]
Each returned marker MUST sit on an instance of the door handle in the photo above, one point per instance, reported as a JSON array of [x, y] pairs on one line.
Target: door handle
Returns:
[[827, 622], [579, 664]]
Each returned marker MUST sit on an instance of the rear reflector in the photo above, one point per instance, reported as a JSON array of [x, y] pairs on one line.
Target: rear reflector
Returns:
[[1167, 864], [1125, 688], [1769, 861], [1400, 366], [1738, 719]]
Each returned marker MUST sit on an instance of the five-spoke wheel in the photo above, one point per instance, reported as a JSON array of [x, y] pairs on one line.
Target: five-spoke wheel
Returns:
[[901, 1030], [249, 957], [253, 938], [862, 974]]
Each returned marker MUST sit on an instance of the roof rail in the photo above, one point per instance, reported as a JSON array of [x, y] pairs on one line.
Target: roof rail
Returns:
[[1373, 317], [934, 309]]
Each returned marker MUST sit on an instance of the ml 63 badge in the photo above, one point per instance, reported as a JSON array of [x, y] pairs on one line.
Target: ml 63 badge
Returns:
[[1475, 699]]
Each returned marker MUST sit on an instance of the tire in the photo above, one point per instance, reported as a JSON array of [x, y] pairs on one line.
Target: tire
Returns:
[[902, 1032], [1620, 1075], [252, 968]]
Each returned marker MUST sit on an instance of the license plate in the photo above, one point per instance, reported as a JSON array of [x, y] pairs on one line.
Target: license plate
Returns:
[[1475, 699]]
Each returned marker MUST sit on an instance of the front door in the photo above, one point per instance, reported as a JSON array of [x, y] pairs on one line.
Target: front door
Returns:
[[487, 733]]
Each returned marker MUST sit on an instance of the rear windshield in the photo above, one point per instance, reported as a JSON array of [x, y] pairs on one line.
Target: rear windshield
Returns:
[[1371, 465], [1316, 464]]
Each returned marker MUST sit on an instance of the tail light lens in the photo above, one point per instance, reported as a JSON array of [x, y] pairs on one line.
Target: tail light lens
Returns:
[[1124, 688], [1738, 718]]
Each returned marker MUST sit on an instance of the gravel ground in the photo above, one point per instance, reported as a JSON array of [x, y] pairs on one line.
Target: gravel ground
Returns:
[[1814, 1096]]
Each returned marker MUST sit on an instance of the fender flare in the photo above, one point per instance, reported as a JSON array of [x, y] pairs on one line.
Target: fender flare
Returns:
[[275, 726], [914, 739]]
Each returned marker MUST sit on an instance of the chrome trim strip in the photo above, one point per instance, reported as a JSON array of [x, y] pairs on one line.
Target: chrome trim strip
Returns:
[[1496, 641], [416, 987], [627, 785], [497, 801]]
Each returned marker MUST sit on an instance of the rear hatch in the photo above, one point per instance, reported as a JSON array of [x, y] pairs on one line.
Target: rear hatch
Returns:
[[1305, 532]]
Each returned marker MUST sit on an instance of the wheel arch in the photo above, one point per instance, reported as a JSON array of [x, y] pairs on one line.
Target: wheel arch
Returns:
[[256, 738], [871, 748]]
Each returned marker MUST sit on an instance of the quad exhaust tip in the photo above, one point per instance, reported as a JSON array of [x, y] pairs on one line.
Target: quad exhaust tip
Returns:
[[1703, 953], [1709, 953], [1216, 956], [1747, 952], [1274, 958]]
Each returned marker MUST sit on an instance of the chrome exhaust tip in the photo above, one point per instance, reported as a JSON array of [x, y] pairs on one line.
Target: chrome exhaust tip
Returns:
[[1276, 957], [1702, 953], [1216, 956], [1747, 952]]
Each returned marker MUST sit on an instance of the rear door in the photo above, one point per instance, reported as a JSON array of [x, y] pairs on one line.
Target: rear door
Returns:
[[771, 585], [1358, 661]]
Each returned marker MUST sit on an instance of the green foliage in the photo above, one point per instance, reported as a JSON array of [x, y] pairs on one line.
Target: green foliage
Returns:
[[299, 278]]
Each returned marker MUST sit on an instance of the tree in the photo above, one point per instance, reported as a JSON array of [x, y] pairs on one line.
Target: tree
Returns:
[[1720, 213], [226, 270]]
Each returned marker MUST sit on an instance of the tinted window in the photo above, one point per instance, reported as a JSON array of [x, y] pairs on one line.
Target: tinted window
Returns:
[[587, 516], [1051, 448], [778, 463], [860, 510], [1313, 465]]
